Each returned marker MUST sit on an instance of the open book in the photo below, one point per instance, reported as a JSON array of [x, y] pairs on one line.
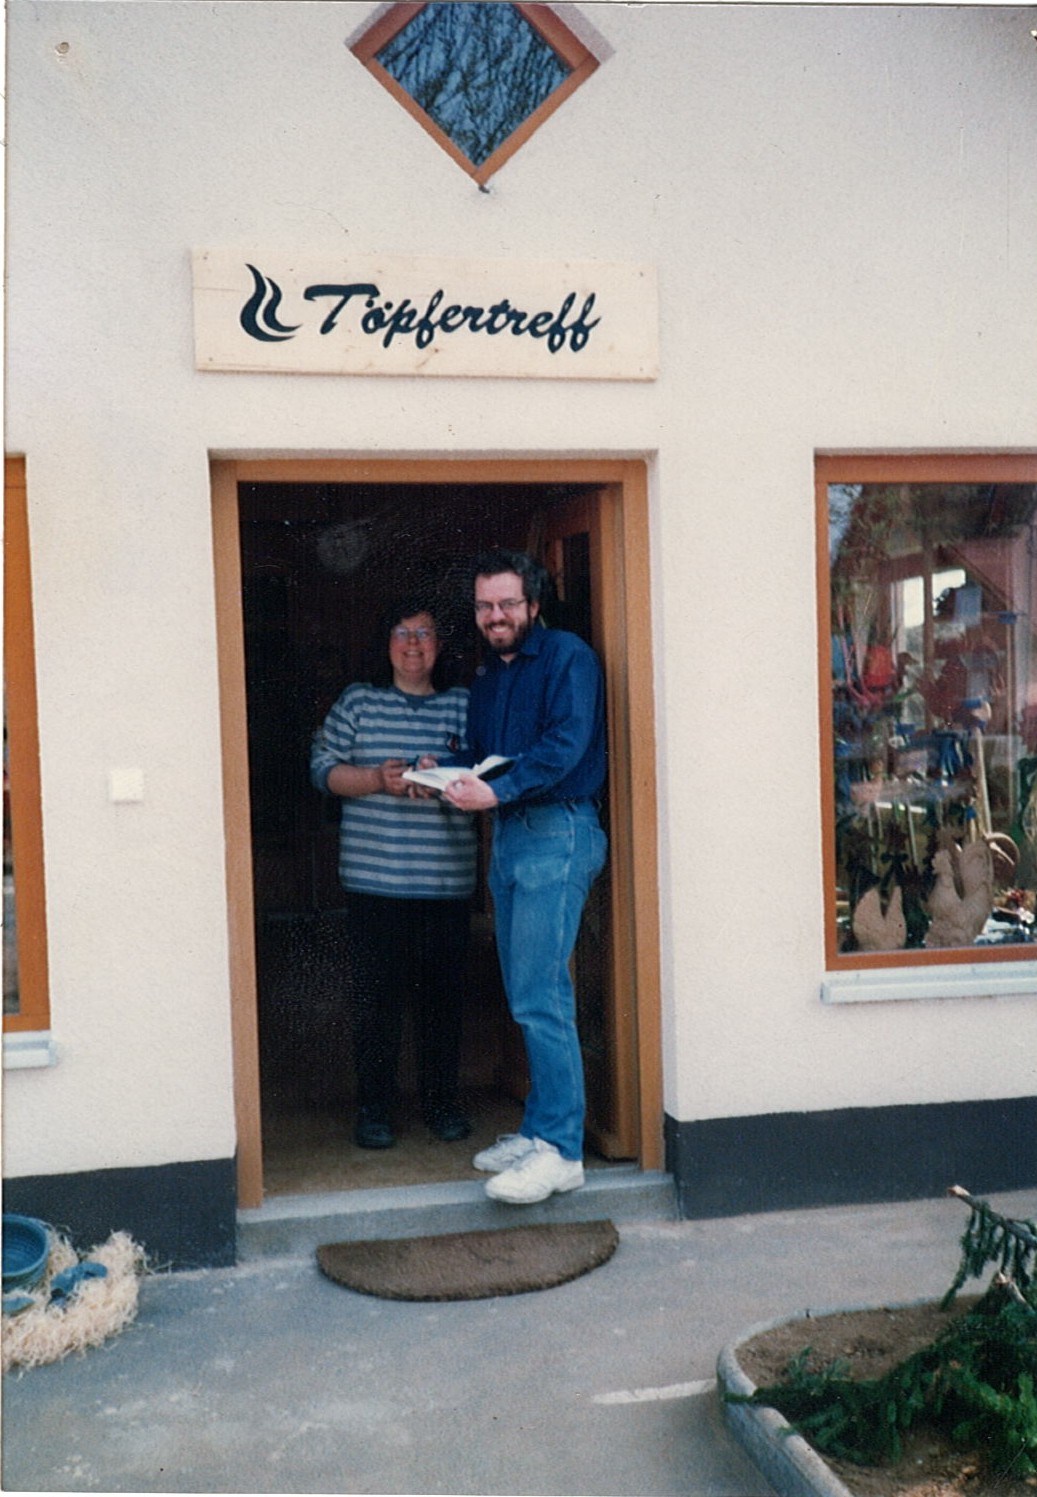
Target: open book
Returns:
[[441, 775]]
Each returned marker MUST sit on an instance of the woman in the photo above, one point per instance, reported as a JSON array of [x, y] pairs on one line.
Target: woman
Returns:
[[407, 863]]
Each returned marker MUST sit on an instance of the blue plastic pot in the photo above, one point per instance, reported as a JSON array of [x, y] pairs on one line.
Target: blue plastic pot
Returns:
[[26, 1249]]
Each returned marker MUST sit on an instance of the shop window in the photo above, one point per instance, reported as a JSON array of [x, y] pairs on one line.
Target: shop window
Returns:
[[480, 78], [26, 1006], [929, 716]]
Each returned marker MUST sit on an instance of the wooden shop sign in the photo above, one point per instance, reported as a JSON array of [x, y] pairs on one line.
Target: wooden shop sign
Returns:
[[277, 314]]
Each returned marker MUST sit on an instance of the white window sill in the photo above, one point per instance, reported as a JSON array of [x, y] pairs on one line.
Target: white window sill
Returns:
[[29, 1049], [894, 984]]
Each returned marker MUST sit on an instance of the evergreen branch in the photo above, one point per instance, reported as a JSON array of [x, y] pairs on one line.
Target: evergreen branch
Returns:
[[976, 1380], [1025, 1231], [990, 1237]]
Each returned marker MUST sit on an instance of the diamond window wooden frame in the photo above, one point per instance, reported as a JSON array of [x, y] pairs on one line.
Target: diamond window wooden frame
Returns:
[[548, 25]]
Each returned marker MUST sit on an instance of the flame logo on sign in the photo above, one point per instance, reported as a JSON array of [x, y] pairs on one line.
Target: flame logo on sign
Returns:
[[261, 307]]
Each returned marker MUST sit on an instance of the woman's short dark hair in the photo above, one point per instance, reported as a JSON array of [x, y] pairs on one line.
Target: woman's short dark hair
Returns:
[[379, 666], [536, 584]]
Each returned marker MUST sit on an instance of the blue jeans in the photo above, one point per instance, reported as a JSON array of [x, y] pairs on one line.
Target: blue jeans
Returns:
[[544, 860]]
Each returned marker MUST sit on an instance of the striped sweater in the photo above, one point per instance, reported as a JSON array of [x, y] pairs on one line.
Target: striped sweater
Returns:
[[402, 848]]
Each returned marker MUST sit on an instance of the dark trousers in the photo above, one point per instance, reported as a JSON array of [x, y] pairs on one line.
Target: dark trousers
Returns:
[[407, 953]]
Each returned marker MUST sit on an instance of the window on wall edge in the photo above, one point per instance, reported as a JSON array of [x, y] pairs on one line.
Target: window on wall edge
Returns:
[[26, 990], [927, 571]]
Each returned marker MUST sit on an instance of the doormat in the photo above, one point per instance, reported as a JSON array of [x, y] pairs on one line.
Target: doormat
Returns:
[[471, 1265]]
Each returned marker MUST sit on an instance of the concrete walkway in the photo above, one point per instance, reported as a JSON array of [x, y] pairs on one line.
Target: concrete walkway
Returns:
[[270, 1378]]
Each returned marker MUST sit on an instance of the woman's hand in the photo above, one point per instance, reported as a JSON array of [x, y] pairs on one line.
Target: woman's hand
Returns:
[[353, 780], [423, 792], [392, 781]]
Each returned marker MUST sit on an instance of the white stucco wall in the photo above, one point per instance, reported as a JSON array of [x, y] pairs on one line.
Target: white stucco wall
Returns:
[[842, 204]]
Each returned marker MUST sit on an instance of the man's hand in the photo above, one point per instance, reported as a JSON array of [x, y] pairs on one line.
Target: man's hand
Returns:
[[469, 793]]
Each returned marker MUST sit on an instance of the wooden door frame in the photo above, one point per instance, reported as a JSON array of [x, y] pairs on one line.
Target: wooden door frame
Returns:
[[594, 512], [628, 647]]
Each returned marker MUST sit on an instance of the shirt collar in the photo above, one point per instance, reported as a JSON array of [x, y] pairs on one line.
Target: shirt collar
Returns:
[[534, 640]]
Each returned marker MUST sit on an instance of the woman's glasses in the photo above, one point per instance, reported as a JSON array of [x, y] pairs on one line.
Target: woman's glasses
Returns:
[[408, 636]]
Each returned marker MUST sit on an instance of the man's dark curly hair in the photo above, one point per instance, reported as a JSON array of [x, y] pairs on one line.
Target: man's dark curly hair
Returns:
[[536, 583]]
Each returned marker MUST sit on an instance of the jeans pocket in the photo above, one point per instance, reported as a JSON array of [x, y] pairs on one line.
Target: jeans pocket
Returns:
[[599, 851], [545, 865]]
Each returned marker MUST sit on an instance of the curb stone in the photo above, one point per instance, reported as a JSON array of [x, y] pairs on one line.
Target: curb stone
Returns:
[[784, 1458]]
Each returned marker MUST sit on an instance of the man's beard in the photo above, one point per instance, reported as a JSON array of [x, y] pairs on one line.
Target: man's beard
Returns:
[[512, 647]]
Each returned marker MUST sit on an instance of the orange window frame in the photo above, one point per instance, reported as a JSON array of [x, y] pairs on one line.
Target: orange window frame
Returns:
[[24, 760], [833, 468], [543, 20]]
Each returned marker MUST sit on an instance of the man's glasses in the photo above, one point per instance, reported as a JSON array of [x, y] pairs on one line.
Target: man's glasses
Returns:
[[506, 605], [406, 636]]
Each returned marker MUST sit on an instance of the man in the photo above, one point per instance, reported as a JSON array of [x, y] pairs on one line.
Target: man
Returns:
[[538, 700]]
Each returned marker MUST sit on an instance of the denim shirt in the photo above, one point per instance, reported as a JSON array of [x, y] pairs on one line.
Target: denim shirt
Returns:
[[545, 709]]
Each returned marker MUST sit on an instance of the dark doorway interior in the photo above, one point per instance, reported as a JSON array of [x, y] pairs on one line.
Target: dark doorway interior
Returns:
[[319, 561]]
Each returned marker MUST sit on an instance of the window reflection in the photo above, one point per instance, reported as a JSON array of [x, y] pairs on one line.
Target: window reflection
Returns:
[[934, 714], [478, 71]]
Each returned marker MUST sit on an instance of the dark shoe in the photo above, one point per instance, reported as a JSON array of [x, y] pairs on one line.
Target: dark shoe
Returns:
[[372, 1131], [448, 1123]]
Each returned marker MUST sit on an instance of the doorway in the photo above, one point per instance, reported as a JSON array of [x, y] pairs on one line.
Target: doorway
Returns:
[[306, 555]]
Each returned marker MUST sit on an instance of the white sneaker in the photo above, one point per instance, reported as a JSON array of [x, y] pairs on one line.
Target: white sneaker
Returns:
[[539, 1173], [508, 1150]]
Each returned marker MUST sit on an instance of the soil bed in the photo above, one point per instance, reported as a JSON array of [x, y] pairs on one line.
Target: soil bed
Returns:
[[870, 1342]]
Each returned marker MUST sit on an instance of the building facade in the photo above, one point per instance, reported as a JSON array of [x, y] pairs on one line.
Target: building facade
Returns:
[[728, 312]]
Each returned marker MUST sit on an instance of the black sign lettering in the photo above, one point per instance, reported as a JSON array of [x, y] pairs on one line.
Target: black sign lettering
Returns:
[[344, 294], [389, 320]]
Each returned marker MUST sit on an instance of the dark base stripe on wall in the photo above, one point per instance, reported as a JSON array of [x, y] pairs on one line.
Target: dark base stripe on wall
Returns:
[[183, 1215], [781, 1161]]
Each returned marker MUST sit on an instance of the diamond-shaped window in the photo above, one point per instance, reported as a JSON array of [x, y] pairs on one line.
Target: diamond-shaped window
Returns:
[[480, 75]]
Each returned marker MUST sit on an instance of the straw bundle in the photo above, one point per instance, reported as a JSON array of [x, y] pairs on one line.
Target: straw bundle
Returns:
[[98, 1309]]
